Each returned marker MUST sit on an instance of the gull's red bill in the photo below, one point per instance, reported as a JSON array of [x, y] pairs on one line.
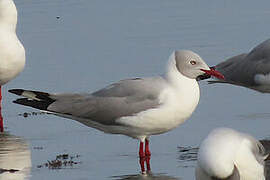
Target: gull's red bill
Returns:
[[213, 72]]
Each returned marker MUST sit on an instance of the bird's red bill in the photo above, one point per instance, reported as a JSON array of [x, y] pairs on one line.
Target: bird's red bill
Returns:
[[213, 72]]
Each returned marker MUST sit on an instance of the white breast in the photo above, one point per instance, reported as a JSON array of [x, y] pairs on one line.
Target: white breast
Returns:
[[178, 100], [12, 56]]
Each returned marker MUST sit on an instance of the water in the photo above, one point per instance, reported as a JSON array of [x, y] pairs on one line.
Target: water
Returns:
[[83, 45]]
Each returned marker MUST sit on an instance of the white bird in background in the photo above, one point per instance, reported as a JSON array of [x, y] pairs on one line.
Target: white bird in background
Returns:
[[230, 155], [12, 54], [251, 70], [138, 107]]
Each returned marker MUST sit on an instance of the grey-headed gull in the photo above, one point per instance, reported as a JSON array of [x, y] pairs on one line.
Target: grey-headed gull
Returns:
[[232, 155], [138, 107], [12, 54], [251, 70]]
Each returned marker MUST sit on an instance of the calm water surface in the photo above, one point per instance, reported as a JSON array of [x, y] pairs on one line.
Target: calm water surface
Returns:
[[83, 45]]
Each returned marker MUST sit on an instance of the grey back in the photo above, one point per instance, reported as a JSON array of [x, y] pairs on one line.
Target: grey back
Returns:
[[125, 98]]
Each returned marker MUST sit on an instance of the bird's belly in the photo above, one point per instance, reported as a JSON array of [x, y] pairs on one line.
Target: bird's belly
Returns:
[[12, 57], [162, 119], [7, 75], [175, 108]]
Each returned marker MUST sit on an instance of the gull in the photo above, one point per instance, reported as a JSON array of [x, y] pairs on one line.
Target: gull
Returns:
[[230, 155], [138, 107], [12, 53], [251, 70]]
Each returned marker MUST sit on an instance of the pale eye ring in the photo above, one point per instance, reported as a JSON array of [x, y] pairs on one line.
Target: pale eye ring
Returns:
[[192, 62]]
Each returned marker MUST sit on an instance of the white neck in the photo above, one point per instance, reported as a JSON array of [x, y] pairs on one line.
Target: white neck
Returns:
[[8, 15], [186, 90], [175, 78]]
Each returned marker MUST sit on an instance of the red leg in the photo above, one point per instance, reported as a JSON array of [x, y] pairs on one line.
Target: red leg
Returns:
[[141, 153], [148, 163], [142, 159], [1, 118], [147, 149]]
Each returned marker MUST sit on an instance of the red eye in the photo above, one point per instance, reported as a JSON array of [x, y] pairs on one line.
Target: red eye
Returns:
[[192, 62]]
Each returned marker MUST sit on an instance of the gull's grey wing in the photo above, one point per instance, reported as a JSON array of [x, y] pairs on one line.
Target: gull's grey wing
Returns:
[[266, 145], [260, 150], [125, 98], [241, 69], [260, 58], [229, 68]]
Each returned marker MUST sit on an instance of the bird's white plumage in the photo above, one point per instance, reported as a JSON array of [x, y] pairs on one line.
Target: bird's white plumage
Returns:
[[138, 107], [12, 53], [262, 79], [223, 149], [179, 99]]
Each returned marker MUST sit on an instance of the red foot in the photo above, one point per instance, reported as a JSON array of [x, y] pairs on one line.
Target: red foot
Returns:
[[147, 149], [147, 159], [144, 156], [142, 165]]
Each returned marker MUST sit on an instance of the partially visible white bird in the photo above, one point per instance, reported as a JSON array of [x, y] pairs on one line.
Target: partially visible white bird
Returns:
[[12, 53], [138, 107], [226, 154]]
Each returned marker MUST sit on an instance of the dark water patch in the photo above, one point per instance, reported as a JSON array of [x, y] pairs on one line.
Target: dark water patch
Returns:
[[61, 161], [187, 153], [27, 114], [38, 148], [8, 170]]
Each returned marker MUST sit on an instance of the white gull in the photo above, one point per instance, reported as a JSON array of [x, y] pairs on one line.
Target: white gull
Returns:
[[138, 107], [12, 54], [230, 155]]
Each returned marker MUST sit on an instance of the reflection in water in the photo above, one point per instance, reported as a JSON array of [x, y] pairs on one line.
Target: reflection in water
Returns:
[[146, 176], [187, 153], [15, 158]]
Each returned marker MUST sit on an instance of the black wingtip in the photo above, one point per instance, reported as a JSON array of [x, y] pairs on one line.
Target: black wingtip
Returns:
[[42, 105], [16, 91]]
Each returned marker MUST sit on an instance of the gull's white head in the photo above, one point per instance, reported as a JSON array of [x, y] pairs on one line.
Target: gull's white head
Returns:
[[8, 14], [191, 65]]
